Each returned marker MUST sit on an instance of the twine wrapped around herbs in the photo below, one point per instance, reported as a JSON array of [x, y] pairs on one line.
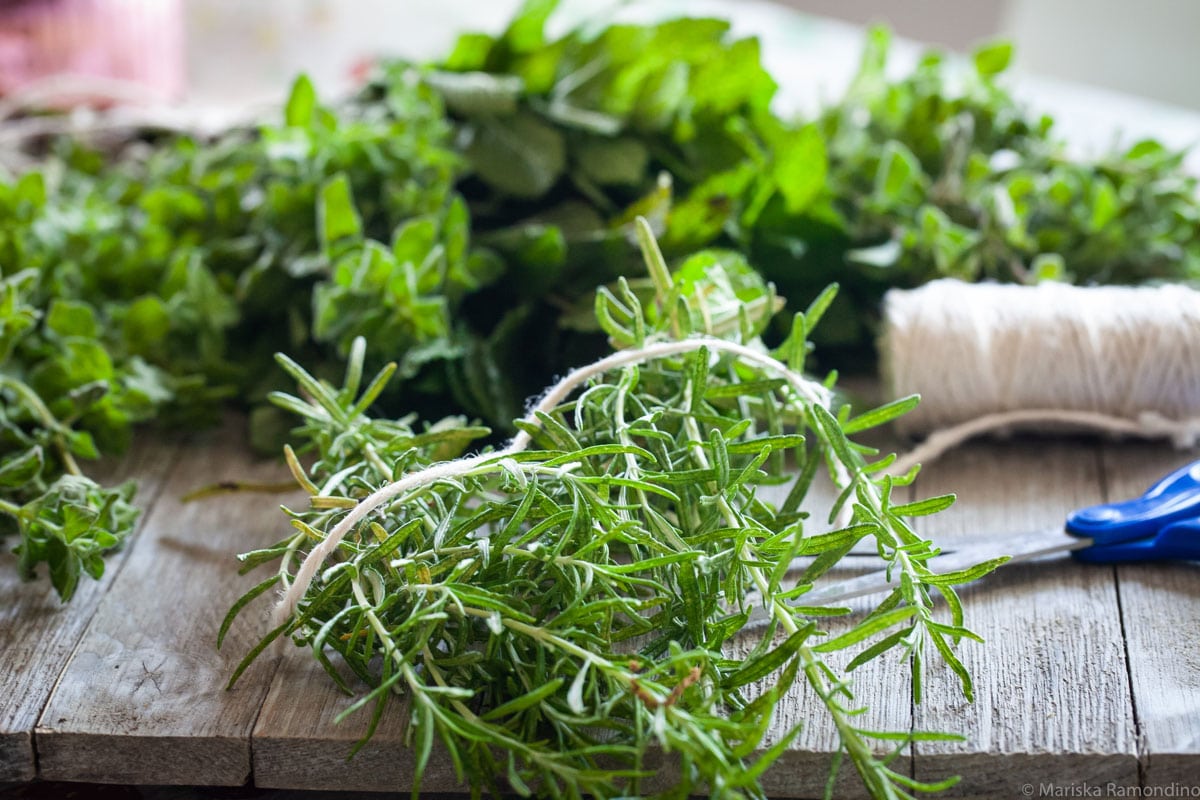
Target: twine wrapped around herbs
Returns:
[[812, 391]]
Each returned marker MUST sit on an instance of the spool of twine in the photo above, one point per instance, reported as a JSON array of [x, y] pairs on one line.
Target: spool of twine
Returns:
[[988, 357]]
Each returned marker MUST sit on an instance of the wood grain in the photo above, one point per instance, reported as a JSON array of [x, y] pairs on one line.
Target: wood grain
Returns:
[[38, 632], [297, 744], [1160, 606], [1052, 693], [142, 699]]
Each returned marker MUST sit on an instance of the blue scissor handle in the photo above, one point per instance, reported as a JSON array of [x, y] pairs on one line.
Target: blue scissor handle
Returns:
[[1179, 541], [1164, 523]]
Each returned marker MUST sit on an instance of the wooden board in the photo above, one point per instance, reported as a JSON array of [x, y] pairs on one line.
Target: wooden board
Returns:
[[1088, 676], [1052, 691], [38, 633], [1160, 617], [142, 699]]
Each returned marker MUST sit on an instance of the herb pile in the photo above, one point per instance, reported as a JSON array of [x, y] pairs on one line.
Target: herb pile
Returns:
[[941, 173], [160, 286], [459, 217], [950, 176], [556, 611]]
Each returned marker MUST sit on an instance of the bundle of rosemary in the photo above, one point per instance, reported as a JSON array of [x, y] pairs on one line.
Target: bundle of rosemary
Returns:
[[556, 610]]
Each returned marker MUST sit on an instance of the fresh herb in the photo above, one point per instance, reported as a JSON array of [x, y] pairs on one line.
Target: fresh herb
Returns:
[[567, 140], [459, 217], [940, 173], [156, 288], [554, 611], [62, 517], [944, 174]]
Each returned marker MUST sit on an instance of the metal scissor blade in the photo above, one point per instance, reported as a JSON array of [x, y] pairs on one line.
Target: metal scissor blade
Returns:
[[1024, 547]]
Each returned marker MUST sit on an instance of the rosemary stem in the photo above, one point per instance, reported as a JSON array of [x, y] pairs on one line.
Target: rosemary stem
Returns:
[[779, 610], [623, 435], [376, 461], [855, 745], [502, 737]]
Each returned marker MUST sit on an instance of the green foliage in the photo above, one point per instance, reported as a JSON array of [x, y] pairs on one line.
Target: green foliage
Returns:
[[553, 615], [62, 518], [943, 173], [940, 173], [69, 526], [566, 141], [460, 218], [157, 286]]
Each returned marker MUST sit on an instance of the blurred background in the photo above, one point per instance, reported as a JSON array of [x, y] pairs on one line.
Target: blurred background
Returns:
[[234, 47], [231, 54], [1146, 48]]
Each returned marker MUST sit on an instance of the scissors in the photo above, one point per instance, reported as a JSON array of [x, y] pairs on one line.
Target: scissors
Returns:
[[1163, 524]]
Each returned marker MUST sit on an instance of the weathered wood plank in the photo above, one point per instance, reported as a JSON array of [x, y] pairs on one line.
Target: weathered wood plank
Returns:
[[297, 745], [1052, 694], [1160, 606], [881, 686], [38, 632], [142, 699]]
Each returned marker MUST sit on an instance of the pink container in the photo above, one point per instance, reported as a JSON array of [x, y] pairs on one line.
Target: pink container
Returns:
[[91, 47]]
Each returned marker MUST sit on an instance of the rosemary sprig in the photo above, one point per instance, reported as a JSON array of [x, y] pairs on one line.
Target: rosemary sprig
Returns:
[[556, 609]]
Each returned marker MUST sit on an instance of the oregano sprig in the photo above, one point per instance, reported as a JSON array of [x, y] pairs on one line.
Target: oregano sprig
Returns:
[[556, 610], [62, 517]]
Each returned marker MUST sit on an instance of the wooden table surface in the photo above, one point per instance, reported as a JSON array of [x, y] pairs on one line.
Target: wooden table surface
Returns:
[[1090, 675]]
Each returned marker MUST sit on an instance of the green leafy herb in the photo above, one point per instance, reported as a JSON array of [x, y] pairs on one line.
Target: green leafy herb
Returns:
[[555, 610], [940, 173], [62, 517], [944, 174], [460, 217], [156, 288]]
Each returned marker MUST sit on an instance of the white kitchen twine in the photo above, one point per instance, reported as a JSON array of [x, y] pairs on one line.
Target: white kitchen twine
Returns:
[[1051, 357]]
